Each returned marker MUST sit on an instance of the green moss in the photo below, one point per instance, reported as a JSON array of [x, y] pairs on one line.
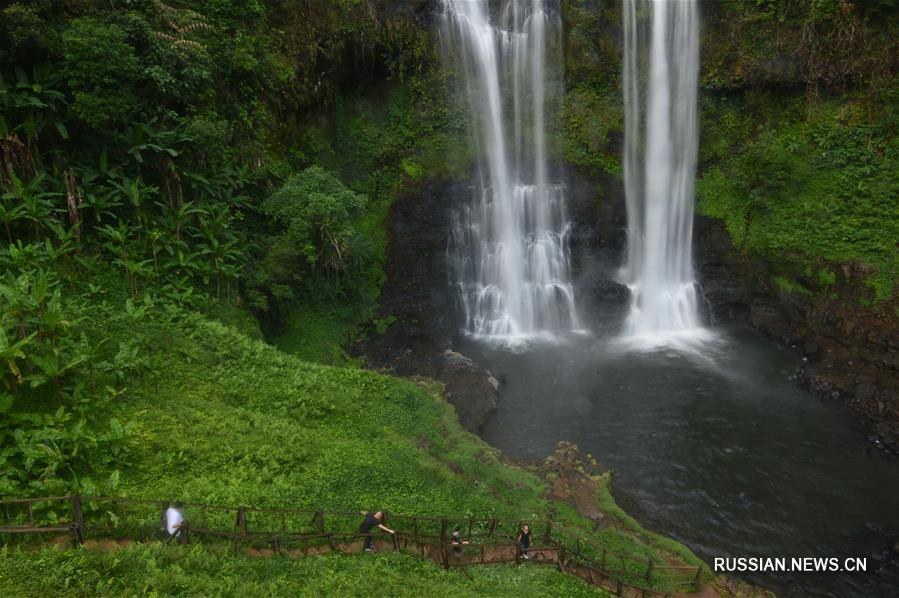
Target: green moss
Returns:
[[790, 286], [645, 537], [593, 118], [317, 334]]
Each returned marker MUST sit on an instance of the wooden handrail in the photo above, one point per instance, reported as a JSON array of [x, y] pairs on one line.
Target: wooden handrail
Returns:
[[433, 546]]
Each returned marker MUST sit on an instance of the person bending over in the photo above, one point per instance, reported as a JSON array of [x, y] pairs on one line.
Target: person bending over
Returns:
[[371, 521]]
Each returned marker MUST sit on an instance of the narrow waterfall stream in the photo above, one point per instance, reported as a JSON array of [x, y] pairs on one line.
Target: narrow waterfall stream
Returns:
[[508, 247], [660, 80]]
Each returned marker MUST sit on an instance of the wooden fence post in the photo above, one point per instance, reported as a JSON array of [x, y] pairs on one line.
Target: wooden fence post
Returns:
[[319, 522], [698, 574], [549, 524], [443, 553], [242, 520], [78, 519], [619, 589], [276, 546], [649, 571]]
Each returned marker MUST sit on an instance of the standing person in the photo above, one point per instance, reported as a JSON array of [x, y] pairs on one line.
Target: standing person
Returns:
[[371, 521], [456, 541], [174, 519], [524, 541]]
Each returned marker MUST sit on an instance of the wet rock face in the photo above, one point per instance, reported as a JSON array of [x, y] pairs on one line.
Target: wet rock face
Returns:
[[598, 238], [852, 350], [417, 297], [469, 388]]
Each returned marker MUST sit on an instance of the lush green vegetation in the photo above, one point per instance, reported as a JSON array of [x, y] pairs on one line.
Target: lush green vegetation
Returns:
[[381, 144], [302, 435], [181, 182], [807, 184], [173, 570], [165, 152], [798, 151]]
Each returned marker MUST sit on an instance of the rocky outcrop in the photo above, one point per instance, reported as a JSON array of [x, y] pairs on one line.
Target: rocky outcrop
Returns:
[[469, 388], [851, 349], [572, 475]]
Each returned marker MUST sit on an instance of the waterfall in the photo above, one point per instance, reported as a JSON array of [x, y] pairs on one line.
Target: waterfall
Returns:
[[661, 140], [508, 245]]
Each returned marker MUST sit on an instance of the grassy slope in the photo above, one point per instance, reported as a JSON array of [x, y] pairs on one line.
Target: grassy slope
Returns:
[[230, 420], [160, 570]]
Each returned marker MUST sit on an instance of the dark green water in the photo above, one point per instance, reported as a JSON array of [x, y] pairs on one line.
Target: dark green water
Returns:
[[720, 449]]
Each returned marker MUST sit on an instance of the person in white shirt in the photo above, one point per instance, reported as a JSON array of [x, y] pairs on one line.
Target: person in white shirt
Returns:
[[174, 519]]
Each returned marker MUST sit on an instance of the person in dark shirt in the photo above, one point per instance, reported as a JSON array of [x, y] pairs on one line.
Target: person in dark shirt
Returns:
[[456, 541], [371, 521], [524, 541]]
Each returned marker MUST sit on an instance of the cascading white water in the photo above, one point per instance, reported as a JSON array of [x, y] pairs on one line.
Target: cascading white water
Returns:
[[661, 140], [508, 246]]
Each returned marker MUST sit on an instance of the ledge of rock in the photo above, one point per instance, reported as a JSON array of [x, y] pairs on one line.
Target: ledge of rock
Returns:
[[573, 475]]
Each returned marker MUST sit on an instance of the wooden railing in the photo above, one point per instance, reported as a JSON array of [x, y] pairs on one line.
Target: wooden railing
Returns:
[[306, 532]]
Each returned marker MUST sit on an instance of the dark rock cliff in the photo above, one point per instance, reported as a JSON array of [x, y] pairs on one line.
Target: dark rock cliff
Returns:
[[421, 313]]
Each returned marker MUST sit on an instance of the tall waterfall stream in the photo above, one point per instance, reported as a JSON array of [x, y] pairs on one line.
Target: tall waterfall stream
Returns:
[[660, 148], [509, 245]]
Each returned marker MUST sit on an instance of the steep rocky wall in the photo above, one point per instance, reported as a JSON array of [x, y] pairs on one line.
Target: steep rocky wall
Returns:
[[418, 310], [851, 350]]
